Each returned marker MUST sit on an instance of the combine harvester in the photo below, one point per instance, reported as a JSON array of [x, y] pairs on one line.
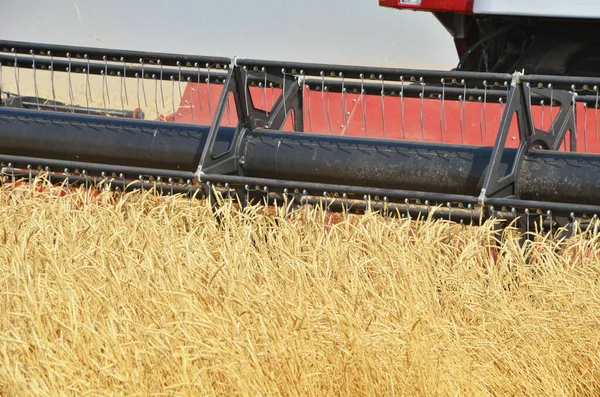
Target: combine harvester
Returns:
[[511, 133]]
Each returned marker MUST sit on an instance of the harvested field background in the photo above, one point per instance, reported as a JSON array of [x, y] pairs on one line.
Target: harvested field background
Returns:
[[154, 98], [141, 295]]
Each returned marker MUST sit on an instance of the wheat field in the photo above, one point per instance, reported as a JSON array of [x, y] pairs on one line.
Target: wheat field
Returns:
[[141, 295]]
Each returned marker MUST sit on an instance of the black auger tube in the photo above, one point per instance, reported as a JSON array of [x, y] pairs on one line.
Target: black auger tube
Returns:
[[561, 177], [428, 167], [341, 160], [104, 140]]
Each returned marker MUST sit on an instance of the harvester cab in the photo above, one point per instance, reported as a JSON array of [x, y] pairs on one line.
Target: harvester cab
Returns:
[[511, 133]]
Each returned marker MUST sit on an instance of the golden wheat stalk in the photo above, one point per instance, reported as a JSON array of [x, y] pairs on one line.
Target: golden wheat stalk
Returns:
[[136, 294]]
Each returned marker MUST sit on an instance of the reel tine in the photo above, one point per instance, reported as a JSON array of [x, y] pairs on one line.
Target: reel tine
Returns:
[[178, 79], [17, 75], [71, 99], [551, 87], [264, 92], [137, 81], [485, 117], [322, 73], [282, 91], [1, 83], [463, 120], [272, 86], [596, 110], [402, 106], [422, 95], [442, 109], [329, 109], [585, 115], [125, 79], [121, 85], [309, 113], [208, 91], [52, 79], [35, 85], [155, 95], [542, 104], [266, 192], [162, 91], [198, 86], [173, 98], [386, 207], [383, 105], [88, 88], [191, 99], [363, 102], [102, 72], [143, 85], [105, 79], [246, 89], [344, 112]]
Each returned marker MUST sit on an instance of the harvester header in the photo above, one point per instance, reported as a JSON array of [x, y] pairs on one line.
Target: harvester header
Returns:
[[488, 140]]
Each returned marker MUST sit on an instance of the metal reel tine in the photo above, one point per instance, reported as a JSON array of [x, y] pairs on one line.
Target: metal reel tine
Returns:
[[596, 110], [402, 107], [383, 105], [35, 85], [191, 88], [103, 89], [105, 78], [363, 102], [585, 114], [178, 79], [70, 84], [210, 112], [125, 82], [345, 114], [422, 95], [309, 112], [264, 92], [17, 75], [88, 87], [162, 92], [443, 125], [172, 98], [463, 121], [155, 95], [329, 110], [323, 95], [137, 81], [1, 83], [198, 86], [143, 85]]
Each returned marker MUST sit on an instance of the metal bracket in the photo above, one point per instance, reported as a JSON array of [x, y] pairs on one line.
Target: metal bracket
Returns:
[[497, 184], [249, 117], [226, 161]]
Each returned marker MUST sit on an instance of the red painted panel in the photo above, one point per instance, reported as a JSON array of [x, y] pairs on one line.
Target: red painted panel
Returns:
[[431, 120], [465, 6]]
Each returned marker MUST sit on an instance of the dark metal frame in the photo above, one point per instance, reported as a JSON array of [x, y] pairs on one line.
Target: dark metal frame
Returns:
[[499, 195], [249, 118], [519, 106]]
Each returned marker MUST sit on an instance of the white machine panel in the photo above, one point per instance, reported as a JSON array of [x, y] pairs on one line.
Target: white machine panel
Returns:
[[542, 8]]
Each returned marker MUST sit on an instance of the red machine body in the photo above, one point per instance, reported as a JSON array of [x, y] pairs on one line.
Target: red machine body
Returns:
[[486, 43], [430, 5]]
